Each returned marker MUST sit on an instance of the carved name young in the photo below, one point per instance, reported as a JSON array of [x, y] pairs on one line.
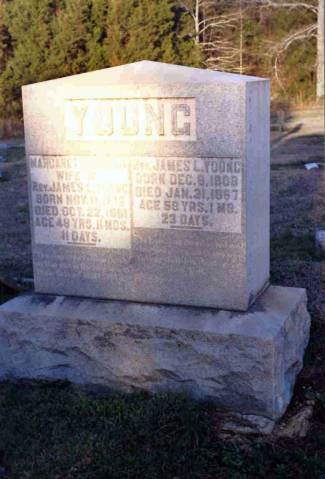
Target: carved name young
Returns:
[[126, 119]]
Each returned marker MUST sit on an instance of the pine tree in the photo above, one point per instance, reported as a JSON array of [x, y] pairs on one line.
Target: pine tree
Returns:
[[28, 24], [150, 30], [97, 55], [68, 53], [118, 33], [5, 40]]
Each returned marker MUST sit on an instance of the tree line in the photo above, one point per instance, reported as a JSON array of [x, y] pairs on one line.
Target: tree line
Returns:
[[45, 39]]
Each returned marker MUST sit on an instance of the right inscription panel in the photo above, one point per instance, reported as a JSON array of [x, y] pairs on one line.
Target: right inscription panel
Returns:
[[187, 193]]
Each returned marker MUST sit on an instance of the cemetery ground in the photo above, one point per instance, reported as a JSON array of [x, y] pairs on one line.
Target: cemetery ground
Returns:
[[58, 431]]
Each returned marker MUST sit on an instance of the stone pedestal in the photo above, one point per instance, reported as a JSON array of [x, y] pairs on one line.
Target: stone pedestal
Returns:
[[246, 363]]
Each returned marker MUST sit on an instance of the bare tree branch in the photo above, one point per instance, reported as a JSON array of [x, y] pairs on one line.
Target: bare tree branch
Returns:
[[277, 49], [308, 31], [290, 5]]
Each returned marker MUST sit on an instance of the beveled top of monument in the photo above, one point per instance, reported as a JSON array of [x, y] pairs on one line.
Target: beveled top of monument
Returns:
[[149, 72], [217, 121]]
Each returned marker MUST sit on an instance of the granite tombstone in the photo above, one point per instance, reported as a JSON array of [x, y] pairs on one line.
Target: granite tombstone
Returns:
[[150, 182]]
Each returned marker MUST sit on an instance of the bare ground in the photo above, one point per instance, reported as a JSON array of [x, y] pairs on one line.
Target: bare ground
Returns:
[[15, 248]]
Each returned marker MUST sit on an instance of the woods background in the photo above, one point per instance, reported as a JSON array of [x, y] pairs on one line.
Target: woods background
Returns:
[[45, 39]]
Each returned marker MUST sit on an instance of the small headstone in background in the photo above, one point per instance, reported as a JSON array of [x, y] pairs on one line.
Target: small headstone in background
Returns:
[[320, 239], [311, 166], [4, 176]]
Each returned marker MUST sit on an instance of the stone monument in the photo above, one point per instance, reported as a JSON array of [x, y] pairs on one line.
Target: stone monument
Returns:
[[149, 183]]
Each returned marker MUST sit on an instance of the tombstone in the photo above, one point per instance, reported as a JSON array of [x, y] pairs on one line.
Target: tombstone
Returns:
[[149, 183]]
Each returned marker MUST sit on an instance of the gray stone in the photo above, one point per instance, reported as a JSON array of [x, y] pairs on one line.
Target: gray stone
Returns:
[[245, 363], [320, 239], [297, 425], [150, 182], [245, 424]]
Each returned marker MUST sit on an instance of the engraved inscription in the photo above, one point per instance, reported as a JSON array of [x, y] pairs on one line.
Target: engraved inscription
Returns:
[[81, 201], [95, 201], [133, 118], [187, 193]]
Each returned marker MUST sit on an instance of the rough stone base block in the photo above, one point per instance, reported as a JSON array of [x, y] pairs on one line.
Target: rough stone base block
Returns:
[[245, 362]]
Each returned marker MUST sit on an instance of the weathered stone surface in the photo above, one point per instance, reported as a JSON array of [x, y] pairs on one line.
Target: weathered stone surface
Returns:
[[244, 362], [150, 182], [245, 424], [297, 425]]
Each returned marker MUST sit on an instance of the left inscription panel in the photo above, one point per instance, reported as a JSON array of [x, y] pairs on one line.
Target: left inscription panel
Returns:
[[81, 201]]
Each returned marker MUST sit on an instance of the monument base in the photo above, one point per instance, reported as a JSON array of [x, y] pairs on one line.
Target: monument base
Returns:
[[246, 363]]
